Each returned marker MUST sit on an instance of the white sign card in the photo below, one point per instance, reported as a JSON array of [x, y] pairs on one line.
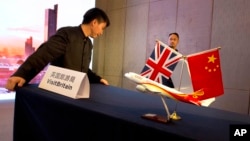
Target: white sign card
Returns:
[[70, 83]]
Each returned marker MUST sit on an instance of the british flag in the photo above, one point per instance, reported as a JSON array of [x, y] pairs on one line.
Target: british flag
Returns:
[[161, 63]]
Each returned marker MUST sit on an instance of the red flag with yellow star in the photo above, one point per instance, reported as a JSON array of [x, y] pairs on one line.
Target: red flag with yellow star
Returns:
[[205, 73]]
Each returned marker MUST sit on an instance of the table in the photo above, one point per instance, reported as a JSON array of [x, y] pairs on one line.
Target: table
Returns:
[[113, 113]]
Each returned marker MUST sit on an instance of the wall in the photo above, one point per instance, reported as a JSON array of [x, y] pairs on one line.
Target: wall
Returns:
[[136, 24]]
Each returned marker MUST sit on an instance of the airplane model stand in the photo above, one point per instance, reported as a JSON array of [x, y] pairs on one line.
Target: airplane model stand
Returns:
[[159, 118], [155, 117]]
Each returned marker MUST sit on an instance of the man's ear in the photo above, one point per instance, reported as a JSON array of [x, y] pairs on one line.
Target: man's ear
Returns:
[[95, 21]]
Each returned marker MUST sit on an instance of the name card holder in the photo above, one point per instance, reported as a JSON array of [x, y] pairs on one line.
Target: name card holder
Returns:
[[70, 83]]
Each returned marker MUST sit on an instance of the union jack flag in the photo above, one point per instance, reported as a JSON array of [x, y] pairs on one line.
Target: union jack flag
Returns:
[[161, 63]]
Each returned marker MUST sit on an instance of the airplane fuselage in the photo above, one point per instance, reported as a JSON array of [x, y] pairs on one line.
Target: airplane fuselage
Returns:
[[147, 85]]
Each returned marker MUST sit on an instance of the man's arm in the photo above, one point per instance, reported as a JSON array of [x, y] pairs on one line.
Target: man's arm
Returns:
[[94, 78]]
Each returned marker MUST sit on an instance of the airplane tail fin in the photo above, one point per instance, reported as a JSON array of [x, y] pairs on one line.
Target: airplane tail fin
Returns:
[[202, 102], [198, 93]]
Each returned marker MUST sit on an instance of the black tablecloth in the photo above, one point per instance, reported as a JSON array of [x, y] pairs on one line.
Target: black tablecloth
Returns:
[[113, 113]]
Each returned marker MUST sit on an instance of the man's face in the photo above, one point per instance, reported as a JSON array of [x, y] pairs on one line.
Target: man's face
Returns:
[[97, 28], [173, 41]]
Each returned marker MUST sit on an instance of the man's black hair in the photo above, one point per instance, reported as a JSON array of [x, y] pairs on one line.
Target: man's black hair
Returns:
[[95, 13], [174, 33]]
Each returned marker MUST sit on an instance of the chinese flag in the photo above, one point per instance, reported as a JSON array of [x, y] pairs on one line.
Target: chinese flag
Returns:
[[205, 72]]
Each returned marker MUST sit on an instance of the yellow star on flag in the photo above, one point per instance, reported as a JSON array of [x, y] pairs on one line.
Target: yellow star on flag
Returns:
[[211, 59]]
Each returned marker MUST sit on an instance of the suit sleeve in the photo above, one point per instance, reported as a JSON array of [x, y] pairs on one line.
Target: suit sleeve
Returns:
[[47, 52], [93, 77]]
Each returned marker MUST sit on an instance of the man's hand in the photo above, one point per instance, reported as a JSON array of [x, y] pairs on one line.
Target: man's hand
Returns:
[[105, 82], [14, 81]]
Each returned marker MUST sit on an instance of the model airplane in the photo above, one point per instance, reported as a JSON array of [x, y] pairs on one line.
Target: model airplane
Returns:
[[146, 85]]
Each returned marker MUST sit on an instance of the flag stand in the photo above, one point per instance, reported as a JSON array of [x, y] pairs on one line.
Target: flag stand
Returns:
[[174, 115], [192, 59]]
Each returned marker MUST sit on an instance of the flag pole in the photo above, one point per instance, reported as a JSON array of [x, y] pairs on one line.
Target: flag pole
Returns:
[[174, 115]]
